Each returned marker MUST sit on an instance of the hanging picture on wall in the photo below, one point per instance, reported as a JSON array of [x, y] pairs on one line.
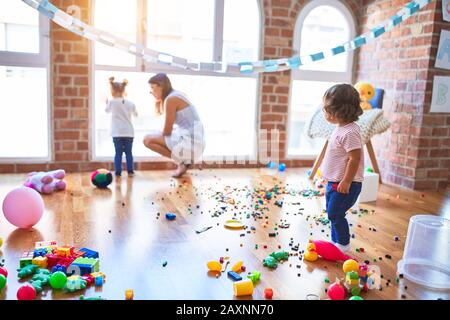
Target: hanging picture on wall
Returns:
[[441, 95], [446, 10], [443, 55]]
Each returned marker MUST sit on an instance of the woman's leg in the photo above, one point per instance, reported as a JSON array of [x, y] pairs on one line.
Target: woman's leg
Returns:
[[156, 142]]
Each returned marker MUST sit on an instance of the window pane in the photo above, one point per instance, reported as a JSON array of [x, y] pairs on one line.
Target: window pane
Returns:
[[323, 28], [182, 28], [229, 121], [19, 27], [138, 91], [241, 44], [226, 133], [114, 17], [305, 99], [29, 113]]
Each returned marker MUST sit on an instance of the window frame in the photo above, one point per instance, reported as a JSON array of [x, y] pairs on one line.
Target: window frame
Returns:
[[34, 60], [151, 67], [314, 75]]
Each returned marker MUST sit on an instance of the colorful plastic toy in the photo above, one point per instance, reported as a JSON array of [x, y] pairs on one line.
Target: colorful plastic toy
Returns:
[[366, 93], [75, 283], [26, 292], [1, 242], [270, 262], [91, 298], [58, 280], [41, 262], [281, 255], [4, 272], [237, 266], [23, 207], [356, 298], [336, 291], [129, 294], [350, 265], [101, 178], [26, 259], [2, 281], [352, 279], [234, 276], [88, 253], [329, 251], [214, 266], [243, 288], [27, 271], [171, 216], [98, 282], [311, 254], [268, 293], [254, 276], [46, 182], [40, 279], [281, 167]]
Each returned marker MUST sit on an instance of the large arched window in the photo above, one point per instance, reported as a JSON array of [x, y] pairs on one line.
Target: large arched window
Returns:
[[320, 25], [24, 58], [198, 30]]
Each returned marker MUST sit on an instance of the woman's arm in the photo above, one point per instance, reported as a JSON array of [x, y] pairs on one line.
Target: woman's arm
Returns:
[[354, 156], [171, 111]]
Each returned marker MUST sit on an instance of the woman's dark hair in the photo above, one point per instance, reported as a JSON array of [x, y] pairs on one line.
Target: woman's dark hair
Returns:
[[118, 87], [342, 101], [162, 80]]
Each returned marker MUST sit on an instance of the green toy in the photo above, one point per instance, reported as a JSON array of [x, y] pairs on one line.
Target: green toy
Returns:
[[270, 262], [369, 169], [356, 298], [2, 281], [254, 276], [27, 271], [75, 283], [281, 255], [91, 298], [40, 279], [58, 280]]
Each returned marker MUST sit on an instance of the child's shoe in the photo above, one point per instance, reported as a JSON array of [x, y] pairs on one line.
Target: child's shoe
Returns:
[[131, 173], [343, 248]]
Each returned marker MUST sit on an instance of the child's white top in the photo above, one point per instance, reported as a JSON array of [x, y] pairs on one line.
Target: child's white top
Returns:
[[121, 111], [343, 140]]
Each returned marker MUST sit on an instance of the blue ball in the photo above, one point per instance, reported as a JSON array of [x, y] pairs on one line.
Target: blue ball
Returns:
[[271, 165], [281, 167]]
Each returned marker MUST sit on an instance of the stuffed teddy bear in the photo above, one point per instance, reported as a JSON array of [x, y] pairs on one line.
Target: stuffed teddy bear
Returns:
[[46, 182], [366, 92]]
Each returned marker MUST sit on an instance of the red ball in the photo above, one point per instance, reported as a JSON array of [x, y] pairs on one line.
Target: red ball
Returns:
[[336, 292], [4, 272], [26, 292], [268, 293]]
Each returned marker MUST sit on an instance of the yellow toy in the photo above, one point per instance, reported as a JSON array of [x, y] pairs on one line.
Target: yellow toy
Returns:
[[1, 242], [237, 267], [41, 262], [350, 265], [129, 294], [311, 254], [214, 266], [366, 92]]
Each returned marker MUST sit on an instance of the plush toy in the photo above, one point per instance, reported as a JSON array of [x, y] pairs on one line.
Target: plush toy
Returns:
[[366, 93], [46, 182]]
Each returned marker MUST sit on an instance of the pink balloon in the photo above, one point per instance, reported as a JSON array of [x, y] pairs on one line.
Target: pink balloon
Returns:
[[23, 207]]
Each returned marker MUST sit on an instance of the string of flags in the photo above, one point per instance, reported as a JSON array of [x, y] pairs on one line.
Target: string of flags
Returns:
[[273, 65]]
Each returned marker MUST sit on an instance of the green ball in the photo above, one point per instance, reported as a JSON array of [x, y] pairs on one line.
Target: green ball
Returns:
[[356, 298], [2, 281], [356, 291], [369, 169], [58, 280]]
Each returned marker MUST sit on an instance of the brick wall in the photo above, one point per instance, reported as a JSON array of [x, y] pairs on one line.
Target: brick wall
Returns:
[[415, 152]]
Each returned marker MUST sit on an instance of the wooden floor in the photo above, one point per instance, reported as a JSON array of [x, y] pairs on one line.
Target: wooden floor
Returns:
[[126, 224]]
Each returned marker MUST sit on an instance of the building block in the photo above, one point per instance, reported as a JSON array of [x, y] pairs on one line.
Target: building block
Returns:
[[65, 251], [82, 266], [234, 276], [41, 262], [39, 252], [88, 253], [52, 260], [46, 244], [26, 258]]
